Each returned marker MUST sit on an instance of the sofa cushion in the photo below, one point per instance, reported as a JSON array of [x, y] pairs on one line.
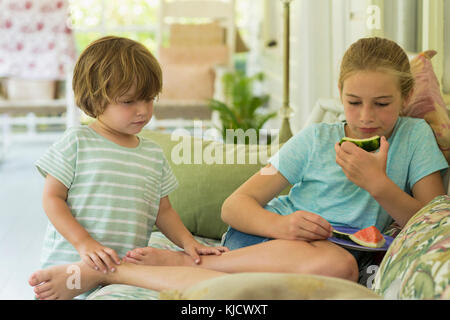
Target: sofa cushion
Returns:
[[188, 72], [187, 82], [196, 35], [417, 264], [205, 183], [274, 286]]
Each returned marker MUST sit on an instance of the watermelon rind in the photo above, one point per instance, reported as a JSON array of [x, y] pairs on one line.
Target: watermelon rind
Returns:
[[341, 235], [378, 244], [368, 144]]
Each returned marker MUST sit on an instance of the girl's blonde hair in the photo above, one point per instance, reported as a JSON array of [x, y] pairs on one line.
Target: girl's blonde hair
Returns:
[[108, 68], [377, 54]]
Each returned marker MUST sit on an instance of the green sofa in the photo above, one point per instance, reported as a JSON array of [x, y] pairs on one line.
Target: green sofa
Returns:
[[416, 265]]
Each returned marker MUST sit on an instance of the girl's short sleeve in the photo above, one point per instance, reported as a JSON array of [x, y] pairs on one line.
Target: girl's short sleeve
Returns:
[[168, 182], [293, 157], [427, 158], [59, 160]]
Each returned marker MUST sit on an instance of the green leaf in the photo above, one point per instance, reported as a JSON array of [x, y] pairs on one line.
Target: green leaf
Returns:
[[240, 109], [263, 119], [226, 114]]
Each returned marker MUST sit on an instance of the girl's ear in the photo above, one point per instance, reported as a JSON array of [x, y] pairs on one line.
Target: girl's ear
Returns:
[[408, 98], [406, 102]]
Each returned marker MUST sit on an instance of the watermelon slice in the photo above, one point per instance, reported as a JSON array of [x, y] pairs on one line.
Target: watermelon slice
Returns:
[[369, 237], [369, 144]]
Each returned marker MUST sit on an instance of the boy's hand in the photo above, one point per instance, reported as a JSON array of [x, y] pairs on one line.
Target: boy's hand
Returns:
[[194, 249], [361, 167], [97, 256]]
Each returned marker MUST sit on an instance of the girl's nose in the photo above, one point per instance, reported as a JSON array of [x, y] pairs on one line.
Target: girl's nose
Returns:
[[366, 114]]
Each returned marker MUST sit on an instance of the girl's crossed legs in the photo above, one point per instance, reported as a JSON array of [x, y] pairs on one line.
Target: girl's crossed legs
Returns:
[[167, 269], [291, 256]]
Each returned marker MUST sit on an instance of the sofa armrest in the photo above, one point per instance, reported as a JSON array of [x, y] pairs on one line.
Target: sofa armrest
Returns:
[[417, 262]]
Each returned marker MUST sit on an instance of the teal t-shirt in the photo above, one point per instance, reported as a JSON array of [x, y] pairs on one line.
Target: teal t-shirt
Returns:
[[113, 191], [308, 162]]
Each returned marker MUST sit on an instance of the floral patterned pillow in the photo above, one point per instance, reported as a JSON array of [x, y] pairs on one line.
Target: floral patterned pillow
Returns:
[[417, 264]]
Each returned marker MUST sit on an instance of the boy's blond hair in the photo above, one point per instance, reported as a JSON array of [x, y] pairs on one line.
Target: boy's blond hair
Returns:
[[377, 54], [108, 68]]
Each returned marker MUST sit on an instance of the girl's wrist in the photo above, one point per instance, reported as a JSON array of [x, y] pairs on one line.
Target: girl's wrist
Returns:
[[379, 187]]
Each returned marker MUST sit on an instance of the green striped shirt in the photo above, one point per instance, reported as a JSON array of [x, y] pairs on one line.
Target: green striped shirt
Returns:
[[113, 191]]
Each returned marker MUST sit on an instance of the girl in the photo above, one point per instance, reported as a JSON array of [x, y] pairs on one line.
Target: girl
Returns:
[[332, 185], [105, 187]]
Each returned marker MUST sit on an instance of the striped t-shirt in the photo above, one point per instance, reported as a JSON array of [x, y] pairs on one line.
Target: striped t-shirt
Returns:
[[113, 191]]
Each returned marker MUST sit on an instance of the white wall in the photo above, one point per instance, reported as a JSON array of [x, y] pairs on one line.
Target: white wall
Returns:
[[310, 59]]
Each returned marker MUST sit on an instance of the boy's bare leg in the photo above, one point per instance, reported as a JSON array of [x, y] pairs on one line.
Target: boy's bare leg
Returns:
[[318, 257], [52, 283]]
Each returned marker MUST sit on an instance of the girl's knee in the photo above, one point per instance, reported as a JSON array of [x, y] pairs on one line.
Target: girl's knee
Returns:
[[337, 262], [348, 267]]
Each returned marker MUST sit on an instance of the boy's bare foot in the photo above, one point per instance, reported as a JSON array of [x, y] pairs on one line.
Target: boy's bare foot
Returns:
[[158, 257], [64, 281]]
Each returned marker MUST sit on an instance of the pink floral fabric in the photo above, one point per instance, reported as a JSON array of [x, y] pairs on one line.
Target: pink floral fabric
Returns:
[[36, 41], [427, 102]]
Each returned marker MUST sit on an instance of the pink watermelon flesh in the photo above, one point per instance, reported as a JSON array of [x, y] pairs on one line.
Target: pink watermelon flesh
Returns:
[[369, 237]]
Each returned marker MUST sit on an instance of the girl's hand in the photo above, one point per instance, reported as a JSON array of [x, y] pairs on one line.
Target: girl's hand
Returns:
[[361, 167], [194, 249], [97, 256], [304, 225]]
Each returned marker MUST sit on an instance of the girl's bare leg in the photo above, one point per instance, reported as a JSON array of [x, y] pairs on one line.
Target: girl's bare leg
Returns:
[[55, 283], [318, 257], [52, 283]]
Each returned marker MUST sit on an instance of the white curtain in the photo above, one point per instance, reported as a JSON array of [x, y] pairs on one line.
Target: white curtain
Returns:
[[401, 23], [254, 43], [446, 78], [311, 57]]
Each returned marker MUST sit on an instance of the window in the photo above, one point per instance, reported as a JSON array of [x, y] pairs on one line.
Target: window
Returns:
[[135, 19]]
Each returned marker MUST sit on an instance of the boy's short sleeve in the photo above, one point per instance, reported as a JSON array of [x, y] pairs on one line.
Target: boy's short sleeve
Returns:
[[168, 182], [427, 158], [59, 160], [292, 159]]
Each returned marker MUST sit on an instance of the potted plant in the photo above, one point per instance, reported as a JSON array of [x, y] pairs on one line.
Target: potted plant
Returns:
[[241, 106]]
